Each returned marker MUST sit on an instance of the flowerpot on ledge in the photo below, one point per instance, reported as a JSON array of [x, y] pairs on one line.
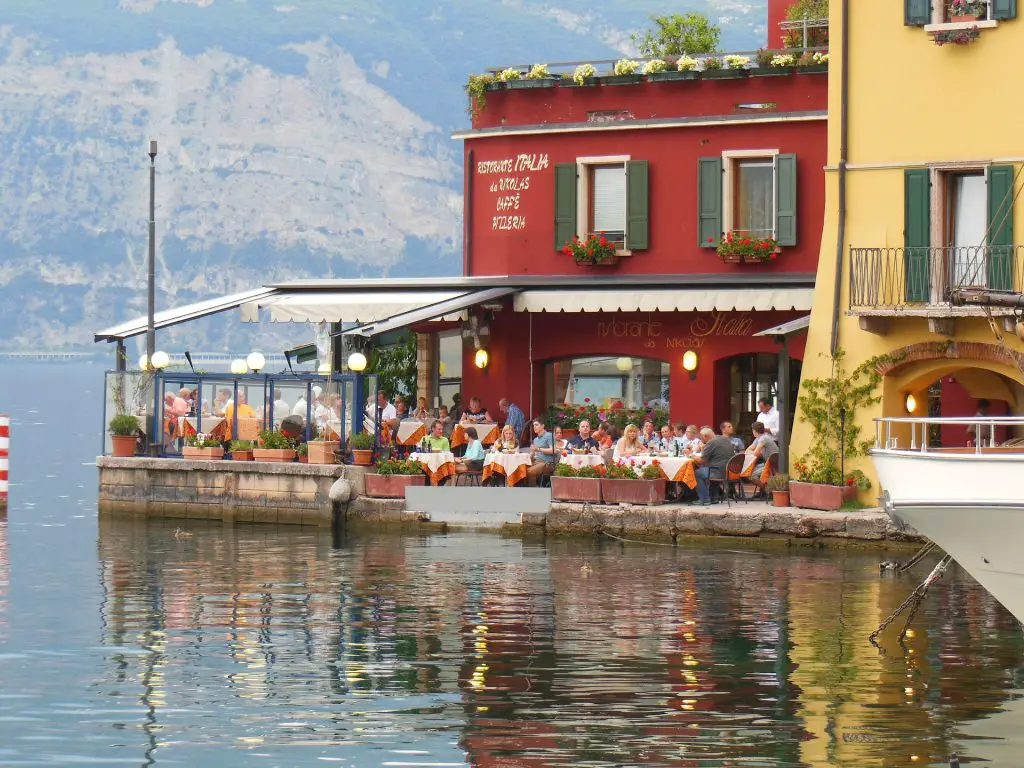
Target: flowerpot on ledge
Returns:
[[827, 498], [723, 74], [391, 486], [122, 446], [965, 18], [361, 458], [633, 491], [771, 71], [621, 79], [813, 69], [606, 261], [780, 498], [241, 455], [202, 454], [275, 455], [587, 82], [322, 451], [576, 489]]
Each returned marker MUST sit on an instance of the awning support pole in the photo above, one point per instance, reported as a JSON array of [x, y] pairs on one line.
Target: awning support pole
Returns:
[[783, 403], [121, 361]]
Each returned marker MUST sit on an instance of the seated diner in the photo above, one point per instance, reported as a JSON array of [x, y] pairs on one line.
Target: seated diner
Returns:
[[435, 440], [584, 440], [473, 459], [542, 453], [630, 444]]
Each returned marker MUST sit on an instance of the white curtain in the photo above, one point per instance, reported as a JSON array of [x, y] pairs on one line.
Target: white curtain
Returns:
[[969, 225], [609, 201]]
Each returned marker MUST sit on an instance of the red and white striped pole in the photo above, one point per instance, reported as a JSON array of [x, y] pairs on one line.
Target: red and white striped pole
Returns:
[[5, 442]]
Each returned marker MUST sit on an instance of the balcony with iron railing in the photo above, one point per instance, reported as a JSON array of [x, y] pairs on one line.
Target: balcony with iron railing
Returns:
[[918, 281]]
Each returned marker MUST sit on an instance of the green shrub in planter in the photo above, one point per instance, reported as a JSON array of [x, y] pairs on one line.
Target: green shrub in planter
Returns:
[[274, 440], [363, 441], [242, 445], [398, 467], [779, 482], [565, 470], [123, 424]]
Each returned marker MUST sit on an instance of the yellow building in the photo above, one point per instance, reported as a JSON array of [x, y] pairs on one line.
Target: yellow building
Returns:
[[926, 149]]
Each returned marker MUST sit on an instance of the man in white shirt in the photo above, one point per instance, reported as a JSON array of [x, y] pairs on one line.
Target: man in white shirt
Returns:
[[388, 414], [281, 409], [300, 407], [769, 416]]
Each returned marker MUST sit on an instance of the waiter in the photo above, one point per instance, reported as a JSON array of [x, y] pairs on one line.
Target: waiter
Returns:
[[769, 416]]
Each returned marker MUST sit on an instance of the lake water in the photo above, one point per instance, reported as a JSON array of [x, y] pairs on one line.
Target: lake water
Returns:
[[124, 644]]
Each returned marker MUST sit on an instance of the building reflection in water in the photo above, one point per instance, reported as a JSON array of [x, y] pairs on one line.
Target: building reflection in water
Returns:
[[503, 653]]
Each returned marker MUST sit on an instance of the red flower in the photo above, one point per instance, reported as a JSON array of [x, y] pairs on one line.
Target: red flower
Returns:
[[586, 399], [656, 463], [602, 241], [711, 240], [774, 256]]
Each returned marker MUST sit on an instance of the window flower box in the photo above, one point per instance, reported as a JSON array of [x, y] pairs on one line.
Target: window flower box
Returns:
[[827, 498], [621, 79], [528, 82], [658, 77], [202, 454], [576, 489], [391, 486], [630, 491], [742, 248]]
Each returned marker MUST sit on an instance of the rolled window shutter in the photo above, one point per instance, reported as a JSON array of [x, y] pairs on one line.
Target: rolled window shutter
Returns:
[[565, 204], [999, 180], [609, 199], [917, 13], [1004, 9], [637, 205], [785, 199], [709, 201], [917, 234]]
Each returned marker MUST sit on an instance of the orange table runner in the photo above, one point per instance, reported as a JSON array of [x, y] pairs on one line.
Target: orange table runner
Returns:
[[488, 434]]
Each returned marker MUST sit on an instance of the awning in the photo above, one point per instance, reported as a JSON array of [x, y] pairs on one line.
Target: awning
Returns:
[[303, 353], [350, 307], [683, 300], [169, 317], [800, 324], [432, 312]]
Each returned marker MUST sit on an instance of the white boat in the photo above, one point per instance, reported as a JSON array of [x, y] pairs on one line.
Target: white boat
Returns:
[[969, 501]]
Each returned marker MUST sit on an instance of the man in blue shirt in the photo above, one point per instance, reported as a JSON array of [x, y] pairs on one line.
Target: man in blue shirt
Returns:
[[542, 451], [514, 417]]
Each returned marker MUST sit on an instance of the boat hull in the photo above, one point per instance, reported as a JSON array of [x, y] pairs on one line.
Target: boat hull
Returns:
[[969, 505]]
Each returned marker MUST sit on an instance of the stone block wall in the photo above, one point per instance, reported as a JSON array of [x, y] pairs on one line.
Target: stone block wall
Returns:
[[260, 492]]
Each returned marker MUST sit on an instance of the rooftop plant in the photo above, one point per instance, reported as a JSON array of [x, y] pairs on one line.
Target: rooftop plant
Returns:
[[677, 34], [712, 62], [811, 10], [583, 71], [735, 61], [509, 74], [625, 67], [538, 72], [687, 64], [476, 90], [654, 66]]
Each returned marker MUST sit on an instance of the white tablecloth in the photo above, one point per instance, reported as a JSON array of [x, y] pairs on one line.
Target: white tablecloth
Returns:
[[678, 469], [437, 465], [210, 423], [512, 465], [580, 460], [487, 433]]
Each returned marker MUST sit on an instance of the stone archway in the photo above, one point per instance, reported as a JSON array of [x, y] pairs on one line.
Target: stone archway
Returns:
[[965, 351]]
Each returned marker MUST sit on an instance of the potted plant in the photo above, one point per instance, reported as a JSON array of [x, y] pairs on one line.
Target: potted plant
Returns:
[[623, 73], [201, 447], [322, 451], [967, 10], [362, 449], [778, 486], [584, 74], [476, 91], [124, 432], [810, 63], [303, 453], [622, 484], [537, 77], [595, 250], [241, 450], [393, 477], [742, 248], [274, 446], [770, 63], [682, 68], [583, 484], [830, 405]]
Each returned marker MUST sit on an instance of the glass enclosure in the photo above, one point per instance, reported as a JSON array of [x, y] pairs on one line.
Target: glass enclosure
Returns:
[[608, 382]]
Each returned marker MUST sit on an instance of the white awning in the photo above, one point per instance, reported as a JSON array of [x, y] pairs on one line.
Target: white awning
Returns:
[[683, 300], [349, 307], [169, 317], [453, 308], [785, 329]]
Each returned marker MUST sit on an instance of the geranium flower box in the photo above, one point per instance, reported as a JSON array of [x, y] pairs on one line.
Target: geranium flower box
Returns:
[[633, 491], [391, 486], [827, 498], [576, 489]]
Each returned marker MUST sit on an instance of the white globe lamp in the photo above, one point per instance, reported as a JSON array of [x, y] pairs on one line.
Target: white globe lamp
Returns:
[[144, 362], [624, 364], [255, 361], [161, 360], [357, 362], [238, 366]]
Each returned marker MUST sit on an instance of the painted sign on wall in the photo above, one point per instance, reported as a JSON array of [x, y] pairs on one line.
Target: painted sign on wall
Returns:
[[509, 186]]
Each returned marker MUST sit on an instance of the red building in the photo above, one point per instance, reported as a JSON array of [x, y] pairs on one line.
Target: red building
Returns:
[[664, 168]]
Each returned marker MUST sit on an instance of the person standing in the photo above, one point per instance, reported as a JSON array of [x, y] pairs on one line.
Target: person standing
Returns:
[[769, 416], [514, 416]]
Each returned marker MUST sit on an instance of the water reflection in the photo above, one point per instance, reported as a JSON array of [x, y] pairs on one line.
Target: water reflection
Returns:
[[473, 649]]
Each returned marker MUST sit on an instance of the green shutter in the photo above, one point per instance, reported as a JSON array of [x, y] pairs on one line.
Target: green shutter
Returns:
[[565, 204], [999, 180], [917, 226], [637, 205], [1004, 9], [917, 13], [785, 199], [709, 201]]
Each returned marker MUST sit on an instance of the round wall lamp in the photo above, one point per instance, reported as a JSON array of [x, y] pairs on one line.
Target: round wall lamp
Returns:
[[357, 362], [161, 360], [690, 361], [910, 403], [238, 366], [624, 364], [255, 361], [144, 362], [481, 359]]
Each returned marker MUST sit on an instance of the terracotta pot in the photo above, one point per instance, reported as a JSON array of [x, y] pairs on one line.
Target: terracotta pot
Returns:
[[780, 498], [576, 489], [732, 258], [276, 455], [241, 455], [322, 451], [202, 454], [633, 491], [362, 458], [963, 19], [827, 498], [123, 446], [391, 486], [303, 459], [607, 261]]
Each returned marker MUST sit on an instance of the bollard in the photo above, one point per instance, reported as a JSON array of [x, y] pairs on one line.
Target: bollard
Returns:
[[5, 440]]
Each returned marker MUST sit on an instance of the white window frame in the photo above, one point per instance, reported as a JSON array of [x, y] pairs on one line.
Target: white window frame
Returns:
[[939, 175], [729, 159], [939, 23], [583, 165]]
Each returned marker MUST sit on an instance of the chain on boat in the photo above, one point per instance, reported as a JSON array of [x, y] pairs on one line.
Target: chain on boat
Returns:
[[913, 601]]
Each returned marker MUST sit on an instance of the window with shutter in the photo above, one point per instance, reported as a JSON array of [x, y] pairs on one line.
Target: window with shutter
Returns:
[[612, 199], [755, 192], [709, 201], [1003, 9], [916, 234], [637, 205], [565, 204], [785, 199], [917, 13], [999, 183]]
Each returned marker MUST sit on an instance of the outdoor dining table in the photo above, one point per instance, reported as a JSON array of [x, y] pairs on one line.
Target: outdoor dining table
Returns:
[[486, 432], [676, 469], [436, 465], [513, 466], [189, 425], [580, 460], [411, 431]]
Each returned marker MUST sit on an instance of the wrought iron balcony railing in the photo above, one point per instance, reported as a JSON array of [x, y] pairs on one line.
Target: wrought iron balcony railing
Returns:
[[898, 278]]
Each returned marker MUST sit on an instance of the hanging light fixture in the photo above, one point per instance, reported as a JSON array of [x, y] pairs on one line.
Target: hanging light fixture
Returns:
[[481, 359], [238, 366], [357, 362], [255, 361], [624, 364]]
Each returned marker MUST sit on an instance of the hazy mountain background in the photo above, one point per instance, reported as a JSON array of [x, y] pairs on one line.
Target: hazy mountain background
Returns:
[[298, 138]]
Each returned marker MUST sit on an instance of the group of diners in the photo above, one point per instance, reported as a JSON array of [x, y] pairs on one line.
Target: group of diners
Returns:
[[711, 451]]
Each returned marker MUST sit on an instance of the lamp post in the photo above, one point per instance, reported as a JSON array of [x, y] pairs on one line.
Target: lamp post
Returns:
[[150, 319]]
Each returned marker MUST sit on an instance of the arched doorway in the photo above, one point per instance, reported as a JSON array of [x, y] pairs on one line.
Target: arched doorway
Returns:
[[742, 380]]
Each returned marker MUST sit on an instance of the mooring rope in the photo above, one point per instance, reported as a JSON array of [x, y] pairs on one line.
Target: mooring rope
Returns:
[[918, 557], [913, 600]]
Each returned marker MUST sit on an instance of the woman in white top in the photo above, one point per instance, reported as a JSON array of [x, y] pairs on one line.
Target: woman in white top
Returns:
[[629, 445]]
